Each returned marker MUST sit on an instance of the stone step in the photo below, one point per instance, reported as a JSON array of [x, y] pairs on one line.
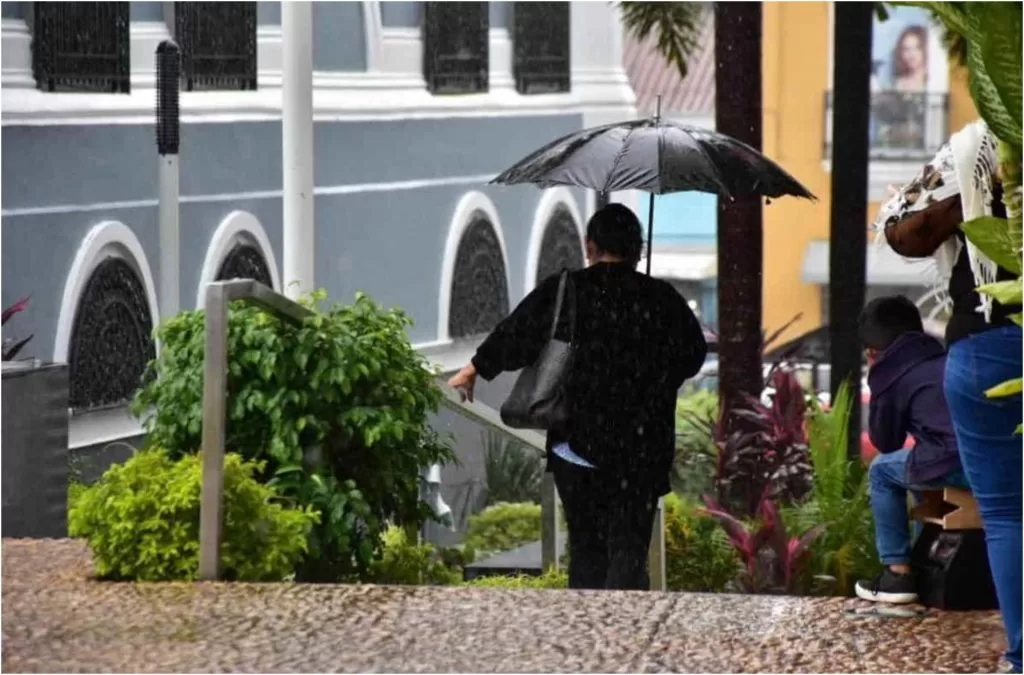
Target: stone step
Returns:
[[525, 560]]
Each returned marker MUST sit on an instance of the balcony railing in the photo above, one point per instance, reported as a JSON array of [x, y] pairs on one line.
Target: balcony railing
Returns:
[[903, 126]]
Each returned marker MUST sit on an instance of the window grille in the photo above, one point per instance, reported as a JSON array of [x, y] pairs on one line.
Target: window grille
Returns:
[[81, 46]]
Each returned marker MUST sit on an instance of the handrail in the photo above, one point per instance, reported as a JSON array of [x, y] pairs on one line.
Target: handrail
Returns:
[[219, 295]]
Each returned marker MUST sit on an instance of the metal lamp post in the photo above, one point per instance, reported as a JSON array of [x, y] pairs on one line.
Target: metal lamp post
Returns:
[[168, 141]]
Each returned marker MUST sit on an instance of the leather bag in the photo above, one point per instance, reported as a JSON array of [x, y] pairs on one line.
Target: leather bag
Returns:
[[538, 399]]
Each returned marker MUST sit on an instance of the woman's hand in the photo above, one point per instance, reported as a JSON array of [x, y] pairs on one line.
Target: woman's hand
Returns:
[[464, 381]]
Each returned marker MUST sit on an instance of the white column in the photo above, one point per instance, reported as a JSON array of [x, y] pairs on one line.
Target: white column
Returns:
[[297, 141], [598, 74], [169, 237]]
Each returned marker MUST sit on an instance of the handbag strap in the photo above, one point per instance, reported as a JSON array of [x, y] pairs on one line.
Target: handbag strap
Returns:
[[563, 281]]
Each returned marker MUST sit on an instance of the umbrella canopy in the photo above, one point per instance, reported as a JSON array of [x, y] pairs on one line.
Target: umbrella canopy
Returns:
[[655, 156]]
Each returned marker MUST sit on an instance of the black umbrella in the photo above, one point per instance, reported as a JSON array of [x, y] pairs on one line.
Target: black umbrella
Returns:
[[655, 156]]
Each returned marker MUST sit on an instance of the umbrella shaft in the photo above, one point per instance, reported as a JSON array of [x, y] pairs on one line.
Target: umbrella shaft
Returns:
[[650, 232]]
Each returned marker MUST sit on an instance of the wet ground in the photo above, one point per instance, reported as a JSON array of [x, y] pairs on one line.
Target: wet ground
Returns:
[[55, 619]]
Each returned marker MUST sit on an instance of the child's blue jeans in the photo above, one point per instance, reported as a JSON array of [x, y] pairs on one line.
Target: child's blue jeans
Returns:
[[889, 488]]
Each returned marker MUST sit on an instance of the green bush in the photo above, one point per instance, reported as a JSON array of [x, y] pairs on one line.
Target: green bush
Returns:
[[553, 579], [839, 500], [693, 472], [698, 557], [408, 563], [141, 520], [503, 527], [337, 408]]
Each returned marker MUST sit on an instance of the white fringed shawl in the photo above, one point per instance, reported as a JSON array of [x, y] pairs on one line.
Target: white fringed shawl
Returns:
[[965, 165]]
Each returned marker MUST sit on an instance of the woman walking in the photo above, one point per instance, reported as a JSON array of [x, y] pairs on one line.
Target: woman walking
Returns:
[[635, 342]]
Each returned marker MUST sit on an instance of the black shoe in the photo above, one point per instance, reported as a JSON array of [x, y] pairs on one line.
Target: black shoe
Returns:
[[888, 587]]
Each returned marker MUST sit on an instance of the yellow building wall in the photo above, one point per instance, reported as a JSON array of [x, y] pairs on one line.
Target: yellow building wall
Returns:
[[795, 70], [795, 79]]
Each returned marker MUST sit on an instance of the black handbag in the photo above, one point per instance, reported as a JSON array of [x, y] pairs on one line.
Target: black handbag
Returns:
[[538, 399]]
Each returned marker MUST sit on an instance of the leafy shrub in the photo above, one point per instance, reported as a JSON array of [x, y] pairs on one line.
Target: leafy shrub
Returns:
[[768, 454], [698, 557], [693, 471], [839, 501], [141, 520], [773, 561], [408, 563], [552, 579], [514, 471], [503, 527], [10, 346], [337, 408]]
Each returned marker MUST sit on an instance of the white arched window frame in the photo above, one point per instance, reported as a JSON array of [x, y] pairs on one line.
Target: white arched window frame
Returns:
[[550, 201], [109, 239], [470, 204], [236, 227]]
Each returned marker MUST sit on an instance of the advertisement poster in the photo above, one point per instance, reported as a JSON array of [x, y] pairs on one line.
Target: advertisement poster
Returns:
[[901, 58]]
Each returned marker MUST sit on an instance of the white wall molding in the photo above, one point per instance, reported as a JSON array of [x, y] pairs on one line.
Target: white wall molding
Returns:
[[550, 200], [470, 204], [237, 226], [109, 239], [225, 197]]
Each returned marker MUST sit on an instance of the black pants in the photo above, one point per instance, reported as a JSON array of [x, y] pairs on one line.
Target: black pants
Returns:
[[610, 522]]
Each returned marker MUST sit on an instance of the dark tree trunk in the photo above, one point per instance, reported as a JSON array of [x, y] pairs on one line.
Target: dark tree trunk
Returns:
[[851, 111], [740, 244]]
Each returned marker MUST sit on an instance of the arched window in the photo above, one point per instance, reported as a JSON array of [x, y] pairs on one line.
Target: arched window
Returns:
[[111, 337], [245, 261], [479, 292], [560, 247]]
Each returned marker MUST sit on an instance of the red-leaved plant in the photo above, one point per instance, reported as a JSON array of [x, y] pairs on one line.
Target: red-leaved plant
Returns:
[[10, 347], [771, 558]]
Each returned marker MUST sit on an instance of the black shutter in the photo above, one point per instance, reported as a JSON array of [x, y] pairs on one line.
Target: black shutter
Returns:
[[218, 44], [81, 46], [541, 43], [456, 47]]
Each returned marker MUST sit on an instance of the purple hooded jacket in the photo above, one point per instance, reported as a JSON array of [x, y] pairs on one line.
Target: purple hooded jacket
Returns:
[[907, 398]]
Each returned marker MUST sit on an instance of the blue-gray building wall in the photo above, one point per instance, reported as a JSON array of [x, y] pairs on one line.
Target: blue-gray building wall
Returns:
[[388, 243]]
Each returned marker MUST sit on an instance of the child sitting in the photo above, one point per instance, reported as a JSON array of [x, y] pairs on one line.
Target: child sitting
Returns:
[[906, 371]]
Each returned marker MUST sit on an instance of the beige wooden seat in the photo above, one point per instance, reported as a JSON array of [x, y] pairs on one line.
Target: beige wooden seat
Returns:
[[951, 508]]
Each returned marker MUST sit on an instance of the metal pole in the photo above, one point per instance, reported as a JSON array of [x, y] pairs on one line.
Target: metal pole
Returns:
[[548, 523], [650, 206], [168, 137], [656, 555], [297, 146], [215, 384]]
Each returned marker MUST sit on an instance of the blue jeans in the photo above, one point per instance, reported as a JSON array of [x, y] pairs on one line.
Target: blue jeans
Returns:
[[991, 455], [889, 488]]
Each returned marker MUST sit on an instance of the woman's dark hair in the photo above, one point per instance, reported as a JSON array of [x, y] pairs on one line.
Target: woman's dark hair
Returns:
[[899, 69], [886, 319], [615, 230]]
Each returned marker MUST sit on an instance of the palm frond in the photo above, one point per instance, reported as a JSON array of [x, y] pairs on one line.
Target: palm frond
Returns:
[[677, 26]]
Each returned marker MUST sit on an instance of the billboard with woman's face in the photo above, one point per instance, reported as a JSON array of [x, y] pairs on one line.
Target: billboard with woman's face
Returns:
[[905, 64]]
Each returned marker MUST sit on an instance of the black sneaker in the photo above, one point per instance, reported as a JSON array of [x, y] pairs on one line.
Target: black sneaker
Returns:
[[888, 587]]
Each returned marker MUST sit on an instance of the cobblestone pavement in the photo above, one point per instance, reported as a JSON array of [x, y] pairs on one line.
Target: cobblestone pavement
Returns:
[[55, 619]]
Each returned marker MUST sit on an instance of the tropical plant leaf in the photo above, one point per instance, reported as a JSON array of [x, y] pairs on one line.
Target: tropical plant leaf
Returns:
[[1020, 429], [1017, 318], [988, 99], [1008, 388], [1004, 292], [676, 24], [14, 309], [992, 237], [1000, 51], [12, 351]]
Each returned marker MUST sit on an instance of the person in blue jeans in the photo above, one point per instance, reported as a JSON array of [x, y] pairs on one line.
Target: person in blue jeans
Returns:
[[906, 374], [991, 451]]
